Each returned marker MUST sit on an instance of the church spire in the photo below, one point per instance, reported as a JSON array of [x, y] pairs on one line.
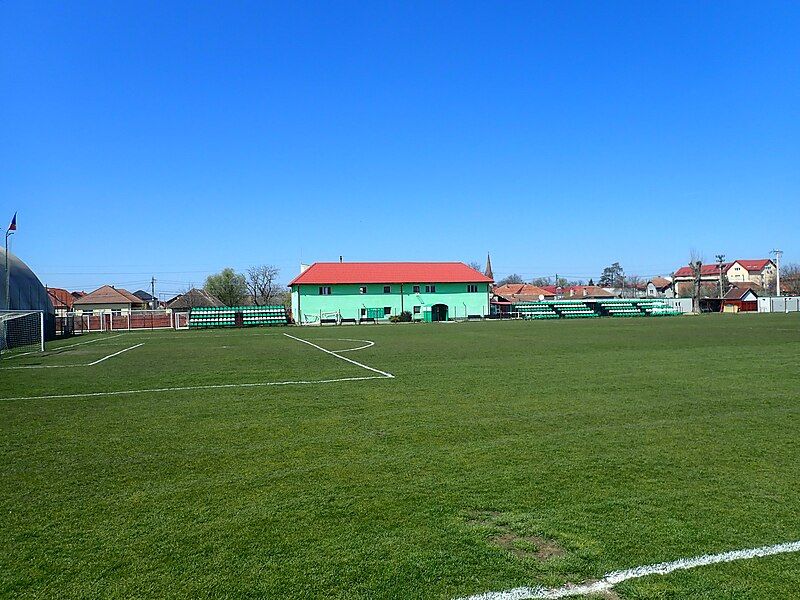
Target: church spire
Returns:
[[488, 271]]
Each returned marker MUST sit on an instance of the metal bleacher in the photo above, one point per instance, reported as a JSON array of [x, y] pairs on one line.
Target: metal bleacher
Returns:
[[535, 310], [574, 309], [582, 309], [619, 308], [226, 316]]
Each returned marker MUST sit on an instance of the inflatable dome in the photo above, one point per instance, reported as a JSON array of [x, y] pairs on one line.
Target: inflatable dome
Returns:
[[27, 292]]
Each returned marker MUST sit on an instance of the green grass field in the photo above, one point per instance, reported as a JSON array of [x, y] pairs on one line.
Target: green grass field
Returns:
[[500, 455]]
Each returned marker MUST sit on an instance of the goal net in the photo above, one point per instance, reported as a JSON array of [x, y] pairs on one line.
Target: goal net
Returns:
[[21, 331]]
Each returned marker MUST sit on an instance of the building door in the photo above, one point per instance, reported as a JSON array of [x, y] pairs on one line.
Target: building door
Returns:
[[439, 312]]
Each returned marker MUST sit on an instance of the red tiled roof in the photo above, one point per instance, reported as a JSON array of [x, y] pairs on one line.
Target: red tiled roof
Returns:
[[521, 289], [740, 290], [60, 298], [661, 282], [108, 295], [586, 291], [710, 269], [386, 272], [754, 264]]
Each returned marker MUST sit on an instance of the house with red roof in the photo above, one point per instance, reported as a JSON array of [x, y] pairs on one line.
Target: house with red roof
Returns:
[[660, 287], [62, 301], [108, 299], [355, 292], [761, 272], [579, 292]]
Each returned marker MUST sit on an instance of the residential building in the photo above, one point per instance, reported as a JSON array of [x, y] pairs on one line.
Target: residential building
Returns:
[[357, 291], [759, 271], [660, 287], [522, 292], [108, 299], [147, 298], [506, 295], [579, 292], [62, 301], [744, 292], [194, 298]]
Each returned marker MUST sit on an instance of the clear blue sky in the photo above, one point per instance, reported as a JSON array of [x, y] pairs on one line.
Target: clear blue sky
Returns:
[[177, 138]]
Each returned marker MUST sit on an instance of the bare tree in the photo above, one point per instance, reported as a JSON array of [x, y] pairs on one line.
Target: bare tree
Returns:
[[473, 264], [634, 284], [696, 264], [790, 278], [262, 284]]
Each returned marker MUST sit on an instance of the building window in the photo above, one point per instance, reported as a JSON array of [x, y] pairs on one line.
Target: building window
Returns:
[[363, 312], [430, 289], [472, 287], [387, 289], [416, 310], [324, 290], [362, 289], [416, 289], [387, 310]]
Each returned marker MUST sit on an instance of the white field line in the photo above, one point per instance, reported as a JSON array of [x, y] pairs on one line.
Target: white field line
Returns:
[[615, 577], [41, 367], [62, 347], [350, 360], [367, 344], [91, 364], [381, 375], [220, 386]]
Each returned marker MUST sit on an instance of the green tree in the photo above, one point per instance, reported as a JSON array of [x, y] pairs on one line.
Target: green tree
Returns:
[[227, 285], [612, 276]]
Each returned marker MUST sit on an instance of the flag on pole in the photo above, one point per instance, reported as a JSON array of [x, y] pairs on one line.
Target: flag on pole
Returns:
[[13, 226]]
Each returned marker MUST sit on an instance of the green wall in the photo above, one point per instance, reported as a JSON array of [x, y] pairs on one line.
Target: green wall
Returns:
[[307, 301]]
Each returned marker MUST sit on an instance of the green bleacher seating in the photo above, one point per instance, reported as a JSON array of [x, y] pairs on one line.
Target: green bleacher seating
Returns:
[[252, 316]]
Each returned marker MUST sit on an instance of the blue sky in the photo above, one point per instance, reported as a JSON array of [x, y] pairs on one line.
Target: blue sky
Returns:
[[177, 138]]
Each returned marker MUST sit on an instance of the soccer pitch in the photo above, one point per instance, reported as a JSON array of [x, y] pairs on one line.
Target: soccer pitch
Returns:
[[438, 461]]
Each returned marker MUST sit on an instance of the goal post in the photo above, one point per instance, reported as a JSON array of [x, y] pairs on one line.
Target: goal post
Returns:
[[21, 331]]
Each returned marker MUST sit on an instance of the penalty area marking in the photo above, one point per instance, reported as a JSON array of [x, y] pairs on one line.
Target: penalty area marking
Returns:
[[221, 386], [218, 386], [615, 577], [350, 360], [91, 364]]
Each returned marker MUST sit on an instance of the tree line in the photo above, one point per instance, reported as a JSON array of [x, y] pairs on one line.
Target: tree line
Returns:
[[613, 276], [258, 286]]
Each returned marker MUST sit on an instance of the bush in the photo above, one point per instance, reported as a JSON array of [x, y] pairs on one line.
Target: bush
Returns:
[[403, 317]]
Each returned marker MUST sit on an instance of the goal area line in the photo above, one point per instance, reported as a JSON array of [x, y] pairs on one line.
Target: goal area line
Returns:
[[91, 364]]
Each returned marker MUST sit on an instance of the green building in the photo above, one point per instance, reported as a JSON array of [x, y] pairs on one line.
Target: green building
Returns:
[[354, 292]]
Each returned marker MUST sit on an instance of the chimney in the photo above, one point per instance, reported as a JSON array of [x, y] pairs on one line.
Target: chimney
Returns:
[[303, 267], [340, 258]]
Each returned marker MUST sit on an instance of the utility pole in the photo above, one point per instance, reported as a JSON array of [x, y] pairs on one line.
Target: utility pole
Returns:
[[153, 292], [10, 231], [778, 254], [720, 262]]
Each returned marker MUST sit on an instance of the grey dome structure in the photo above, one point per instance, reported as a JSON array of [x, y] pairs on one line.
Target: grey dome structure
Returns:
[[27, 292]]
